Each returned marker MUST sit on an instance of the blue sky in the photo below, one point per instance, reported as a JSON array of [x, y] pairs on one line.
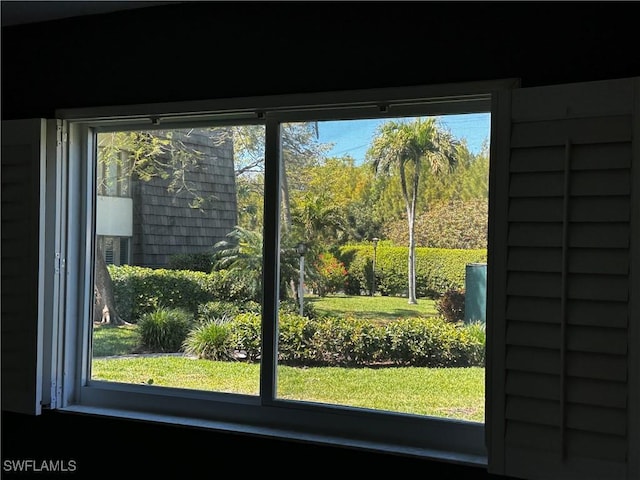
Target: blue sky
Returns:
[[353, 137]]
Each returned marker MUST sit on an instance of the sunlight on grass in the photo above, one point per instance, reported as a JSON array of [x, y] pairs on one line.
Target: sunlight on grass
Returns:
[[180, 372], [443, 392], [372, 308]]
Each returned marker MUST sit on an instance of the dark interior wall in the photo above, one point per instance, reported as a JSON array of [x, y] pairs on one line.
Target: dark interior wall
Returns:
[[201, 50], [119, 449], [206, 50]]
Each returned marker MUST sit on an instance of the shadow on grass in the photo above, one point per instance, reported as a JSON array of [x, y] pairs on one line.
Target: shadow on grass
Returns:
[[383, 309], [114, 340]]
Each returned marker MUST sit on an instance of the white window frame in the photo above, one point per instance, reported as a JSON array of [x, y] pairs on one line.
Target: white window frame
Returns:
[[264, 415]]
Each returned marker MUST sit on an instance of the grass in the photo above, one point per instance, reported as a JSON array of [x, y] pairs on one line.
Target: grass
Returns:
[[373, 308], [443, 392], [121, 340], [114, 340]]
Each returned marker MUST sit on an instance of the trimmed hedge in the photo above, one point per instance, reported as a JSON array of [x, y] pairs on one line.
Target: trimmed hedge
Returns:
[[140, 290], [437, 269], [335, 341]]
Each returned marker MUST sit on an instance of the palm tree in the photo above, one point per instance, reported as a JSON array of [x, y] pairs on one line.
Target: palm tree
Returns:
[[241, 254], [407, 148]]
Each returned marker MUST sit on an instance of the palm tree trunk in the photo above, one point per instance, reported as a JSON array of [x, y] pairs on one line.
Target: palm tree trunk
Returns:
[[288, 222], [412, 259], [412, 237]]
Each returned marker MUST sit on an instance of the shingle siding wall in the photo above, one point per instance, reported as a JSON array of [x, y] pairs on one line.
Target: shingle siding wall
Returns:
[[165, 224]]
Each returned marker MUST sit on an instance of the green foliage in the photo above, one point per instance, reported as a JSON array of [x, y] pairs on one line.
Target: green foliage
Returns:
[[346, 341], [468, 181], [210, 340], [196, 262], [340, 198], [432, 342], [295, 339], [328, 340], [139, 290], [164, 329], [241, 254], [290, 306], [451, 305], [437, 269], [225, 309], [233, 286], [475, 342], [245, 335], [458, 224], [217, 309], [349, 341], [331, 275]]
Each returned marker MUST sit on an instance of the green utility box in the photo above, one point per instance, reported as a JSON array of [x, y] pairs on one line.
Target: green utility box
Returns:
[[475, 297]]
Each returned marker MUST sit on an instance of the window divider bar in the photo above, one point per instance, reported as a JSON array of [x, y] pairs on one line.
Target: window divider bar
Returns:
[[270, 261]]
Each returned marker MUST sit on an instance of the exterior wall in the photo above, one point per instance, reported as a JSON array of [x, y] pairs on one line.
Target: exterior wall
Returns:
[[165, 224]]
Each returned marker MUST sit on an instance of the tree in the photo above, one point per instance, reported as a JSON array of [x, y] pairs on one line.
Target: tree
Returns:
[[162, 154], [300, 149], [349, 190], [128, 154], [406, 149], [241, 254], [142, 155]]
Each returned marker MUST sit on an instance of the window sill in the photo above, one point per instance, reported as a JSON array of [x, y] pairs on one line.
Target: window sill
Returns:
[[284, 434]]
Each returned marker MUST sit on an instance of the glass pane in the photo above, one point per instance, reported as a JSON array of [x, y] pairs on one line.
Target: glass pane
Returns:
[[178, 260], [383, 264]]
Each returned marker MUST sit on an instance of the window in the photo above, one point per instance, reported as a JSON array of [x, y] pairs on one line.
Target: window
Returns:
[[378, 336], [562, 378], [254, 200]]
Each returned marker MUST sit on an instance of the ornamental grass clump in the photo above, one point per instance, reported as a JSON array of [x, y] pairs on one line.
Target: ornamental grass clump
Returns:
[[164, 329], [210, 340]]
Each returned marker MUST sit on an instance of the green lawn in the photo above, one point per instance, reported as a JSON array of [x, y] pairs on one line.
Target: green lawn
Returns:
[[372, 308], [443, 392], [110, 340]]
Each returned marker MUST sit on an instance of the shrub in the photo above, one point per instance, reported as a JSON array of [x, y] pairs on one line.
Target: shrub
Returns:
[[420, 342], [330, 275], [217, 309], [233, 286], [210, 340], [140, 290], [335, 341], [451, 305], [349, 341], [164, 329], [245, 335], [437, 269], [295, 340], [290, 306], [476, 346], [196, 262]]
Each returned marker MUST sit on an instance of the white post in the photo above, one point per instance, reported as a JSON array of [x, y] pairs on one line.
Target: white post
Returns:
[[301, 293]]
